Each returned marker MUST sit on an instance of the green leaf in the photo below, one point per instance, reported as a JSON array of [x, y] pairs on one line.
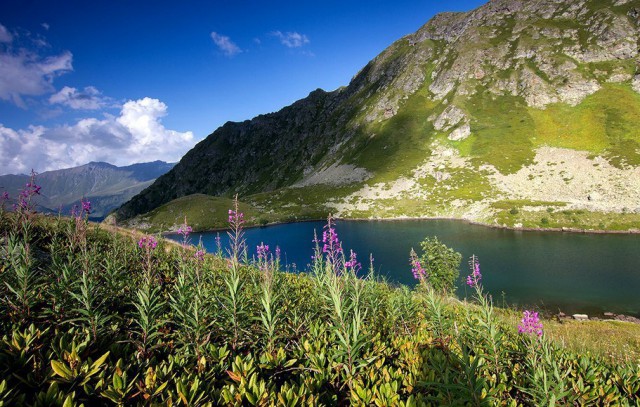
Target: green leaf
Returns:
[[95, 367], [61, 370]]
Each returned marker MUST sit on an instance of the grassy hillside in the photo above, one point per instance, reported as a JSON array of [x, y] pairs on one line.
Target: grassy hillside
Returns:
[[92, 316], [203, 212]]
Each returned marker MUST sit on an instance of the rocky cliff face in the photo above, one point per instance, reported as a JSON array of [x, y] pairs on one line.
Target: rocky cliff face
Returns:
[[491, 86]]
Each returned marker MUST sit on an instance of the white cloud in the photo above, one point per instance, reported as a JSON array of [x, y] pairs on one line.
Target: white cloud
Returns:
[[88, 99], [25, 73], [136, 135], [5, 36], [46, 26], [225, 44], [291, 39]]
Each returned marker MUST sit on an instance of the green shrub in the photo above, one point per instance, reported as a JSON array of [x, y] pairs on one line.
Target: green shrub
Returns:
[[441, 263]]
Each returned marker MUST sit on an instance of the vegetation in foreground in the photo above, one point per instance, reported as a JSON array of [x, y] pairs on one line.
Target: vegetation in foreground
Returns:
[[92, 317]]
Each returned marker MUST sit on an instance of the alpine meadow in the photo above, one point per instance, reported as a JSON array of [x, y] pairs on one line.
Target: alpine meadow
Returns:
[[142, 283]]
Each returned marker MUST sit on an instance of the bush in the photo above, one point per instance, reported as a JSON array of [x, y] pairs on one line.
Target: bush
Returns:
[[514, 211], [442, 264]]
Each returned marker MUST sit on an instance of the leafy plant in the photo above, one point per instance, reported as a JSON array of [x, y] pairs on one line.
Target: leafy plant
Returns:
[[441, 264]]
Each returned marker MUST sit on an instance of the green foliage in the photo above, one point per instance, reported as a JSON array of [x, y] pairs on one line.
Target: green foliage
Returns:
[[177, 331], [442, 264], [203, 211]]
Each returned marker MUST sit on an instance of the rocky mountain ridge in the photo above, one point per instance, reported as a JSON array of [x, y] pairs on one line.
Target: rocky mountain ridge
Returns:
[[495, 89], [105, 185]]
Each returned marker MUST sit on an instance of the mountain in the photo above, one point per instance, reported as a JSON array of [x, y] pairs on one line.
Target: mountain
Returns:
[[105, 185], [518, 113]]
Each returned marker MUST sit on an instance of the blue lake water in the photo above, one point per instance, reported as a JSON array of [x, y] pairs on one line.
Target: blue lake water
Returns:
[[572, 272]]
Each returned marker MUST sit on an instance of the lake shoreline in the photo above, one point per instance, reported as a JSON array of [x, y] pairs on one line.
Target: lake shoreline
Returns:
[[468, 221], [537, 270]]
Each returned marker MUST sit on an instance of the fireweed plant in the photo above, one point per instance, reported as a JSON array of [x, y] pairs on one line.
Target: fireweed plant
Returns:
[[22, 278], [135, 321]]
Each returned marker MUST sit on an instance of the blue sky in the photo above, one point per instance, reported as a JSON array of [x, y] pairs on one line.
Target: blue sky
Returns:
[[132, 81]]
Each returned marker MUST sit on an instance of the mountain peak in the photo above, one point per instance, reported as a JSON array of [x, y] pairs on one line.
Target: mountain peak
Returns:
[[444, 114]]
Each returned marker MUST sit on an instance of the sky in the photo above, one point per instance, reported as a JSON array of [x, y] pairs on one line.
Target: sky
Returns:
[[136, 81]]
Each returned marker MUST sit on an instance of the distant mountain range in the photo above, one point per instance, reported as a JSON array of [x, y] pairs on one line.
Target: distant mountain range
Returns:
[[104, 184], [520, 112]]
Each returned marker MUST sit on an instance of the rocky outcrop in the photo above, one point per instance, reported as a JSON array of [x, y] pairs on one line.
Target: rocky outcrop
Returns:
[[511, 37]]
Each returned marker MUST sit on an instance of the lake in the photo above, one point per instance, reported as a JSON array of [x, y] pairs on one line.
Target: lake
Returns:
[[572, 272]]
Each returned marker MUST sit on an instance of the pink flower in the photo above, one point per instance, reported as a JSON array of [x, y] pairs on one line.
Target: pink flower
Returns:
[[263, 251], [353, 263], [147, 242], [330, 240], [473, 279], [184, 230], [530, 324], [236, 218], [419, 273], [199, 255], [86, 206]]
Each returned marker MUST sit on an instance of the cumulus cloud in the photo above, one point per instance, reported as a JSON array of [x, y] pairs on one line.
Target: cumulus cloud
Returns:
[[225, 44], [136, 135], [291, 39], [88, 99], [5, 35], [25, 73]]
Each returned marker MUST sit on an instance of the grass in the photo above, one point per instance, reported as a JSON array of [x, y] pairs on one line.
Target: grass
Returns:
[[558, 218], [104, 321], [203, 212], [604, 123], [398, 144], [501, 131], [622, 343]]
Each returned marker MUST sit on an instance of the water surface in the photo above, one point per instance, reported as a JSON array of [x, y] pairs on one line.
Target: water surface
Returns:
[[572, 272]]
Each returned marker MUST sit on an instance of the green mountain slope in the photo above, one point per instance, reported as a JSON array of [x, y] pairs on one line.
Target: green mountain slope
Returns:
[[507, 114]]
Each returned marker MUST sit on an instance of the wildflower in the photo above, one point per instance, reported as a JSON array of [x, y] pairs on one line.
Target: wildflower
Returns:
[[331, 246], [263, 251], [5, 196], [147, 242], [86, 206], [236, 217], [330, 240], [530, 324], [199, 255], [31, 189], [24, 204], [419, 273], [236, 239], [277, 253], [473, 279], [185, 230], [353, 263]]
